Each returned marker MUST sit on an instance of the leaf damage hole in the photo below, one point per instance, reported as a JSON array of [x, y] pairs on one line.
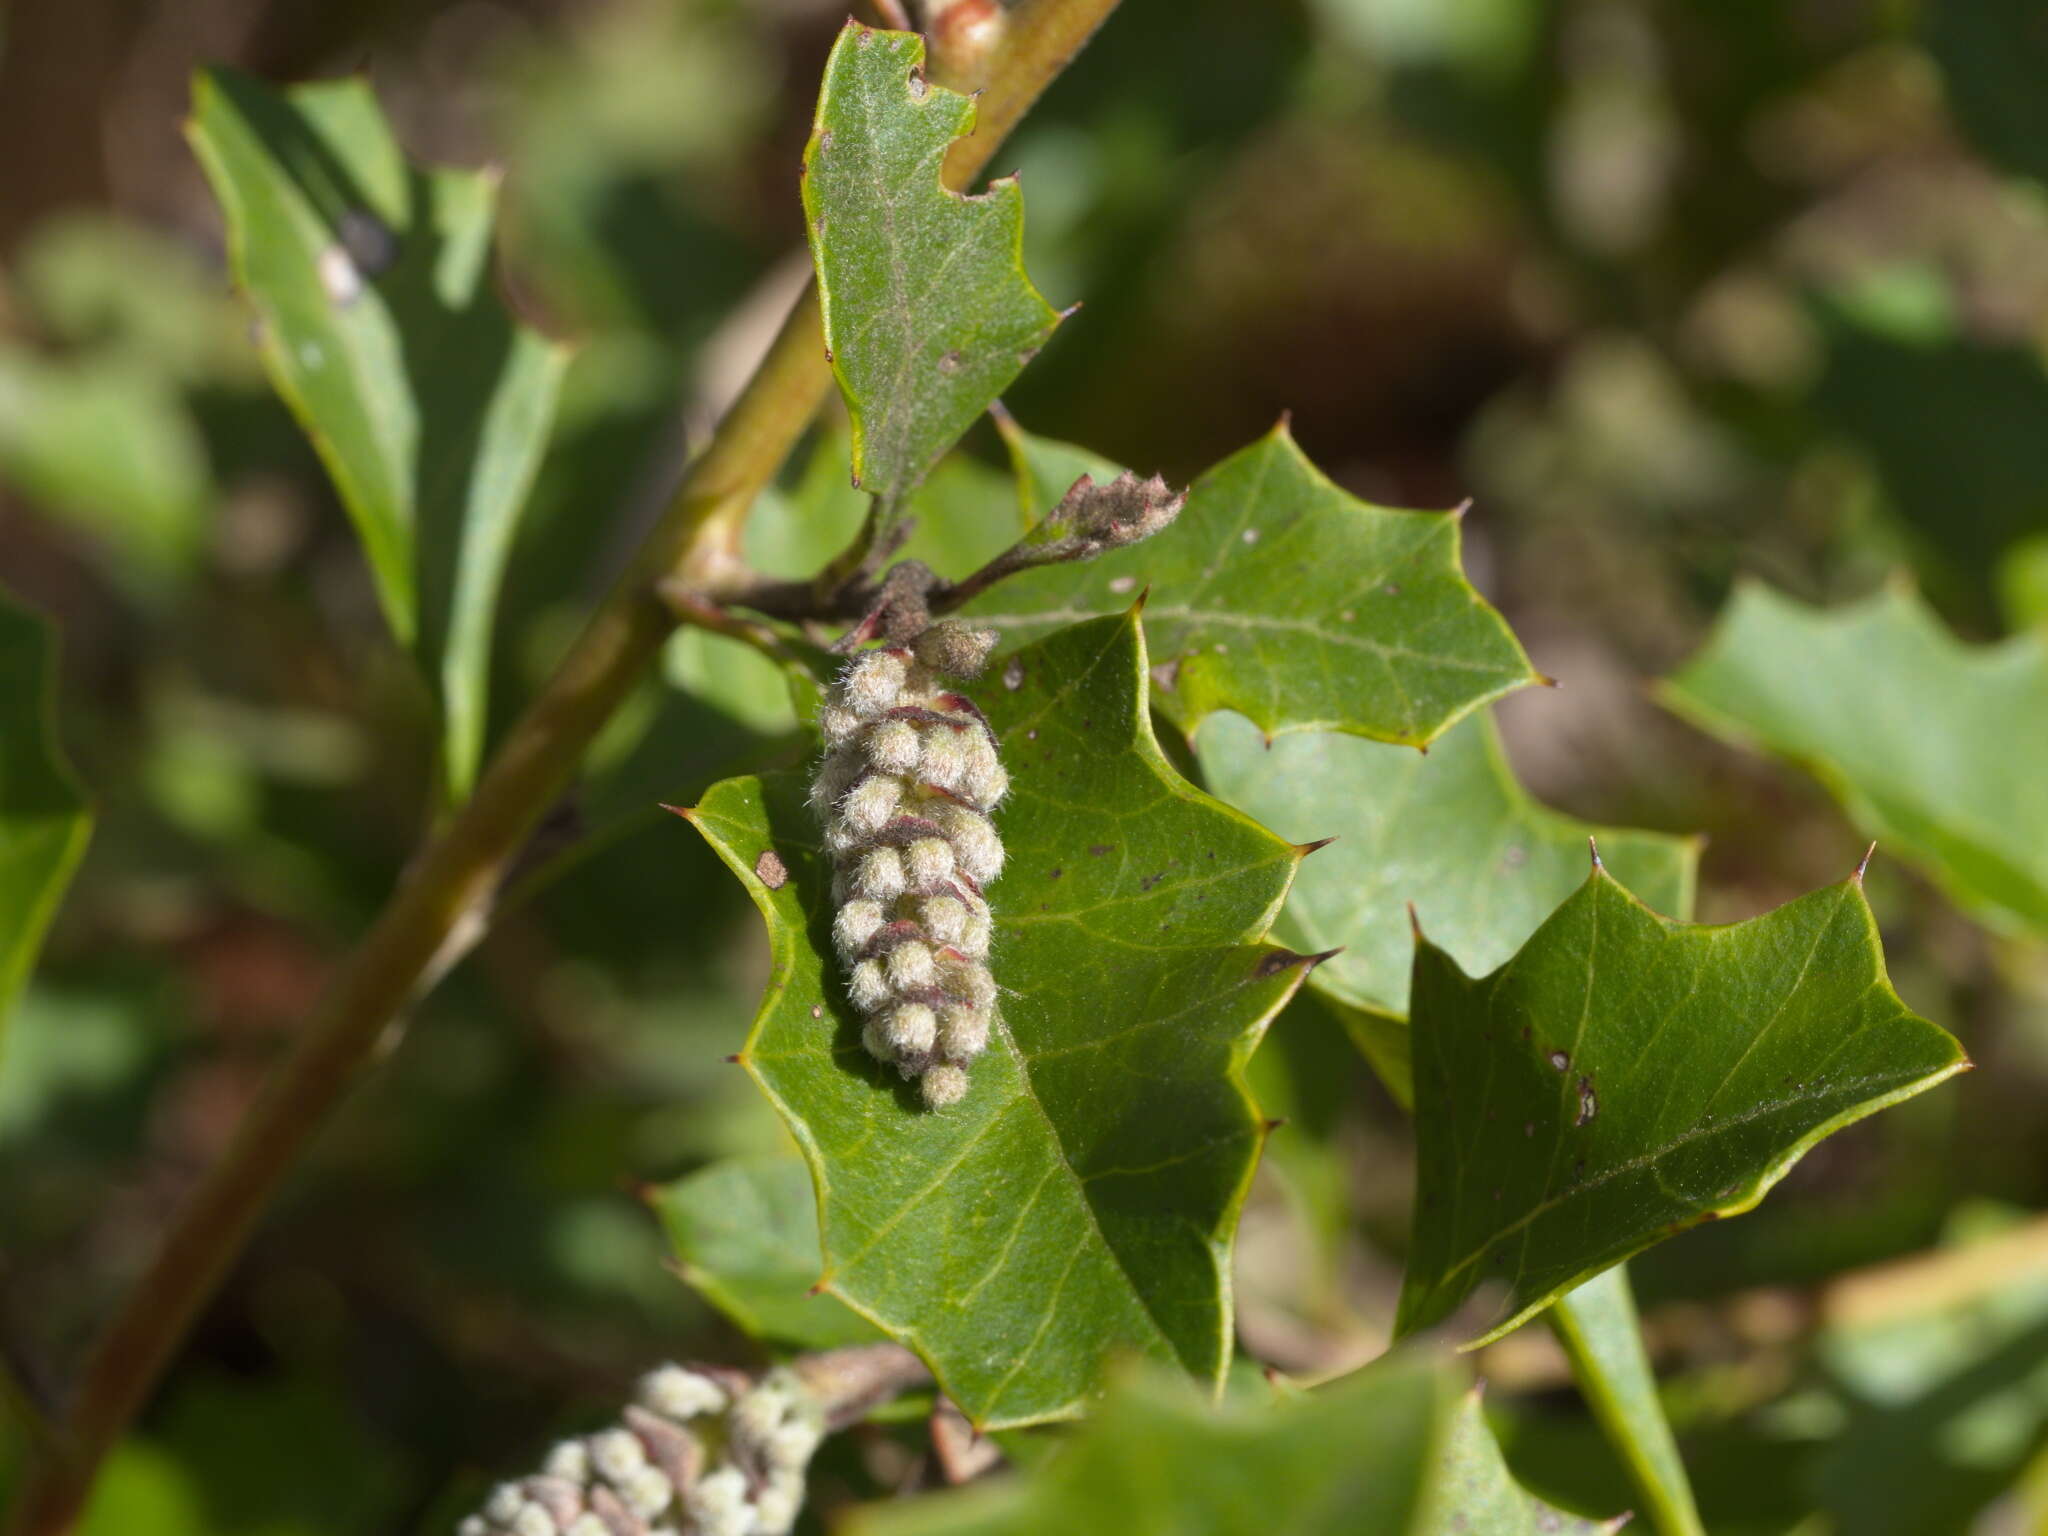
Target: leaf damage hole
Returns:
[[1013, 679], [949, 362], [1560, 1060], [1589, 1102], [1122, 584]]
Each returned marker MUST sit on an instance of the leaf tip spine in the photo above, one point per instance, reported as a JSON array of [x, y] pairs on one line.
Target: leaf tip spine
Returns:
[[1863, 865]]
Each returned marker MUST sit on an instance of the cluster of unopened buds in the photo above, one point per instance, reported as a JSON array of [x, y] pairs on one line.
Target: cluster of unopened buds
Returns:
[[904, 793], [655, 1473]]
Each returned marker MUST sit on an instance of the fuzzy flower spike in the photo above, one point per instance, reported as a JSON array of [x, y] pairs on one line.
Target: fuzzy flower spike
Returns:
[[905, 791], [707, 1452]]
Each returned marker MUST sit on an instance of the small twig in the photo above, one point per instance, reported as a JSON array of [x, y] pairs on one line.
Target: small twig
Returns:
[[1089, 520]]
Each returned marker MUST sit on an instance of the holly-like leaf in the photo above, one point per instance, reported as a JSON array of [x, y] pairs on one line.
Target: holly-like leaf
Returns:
[[44, 823], [1625, 1076], [1284, 598], [1355, 1458], [928, 313], [1079, 1203], [428, 404], [1450, 832], [1476, 1494], [1936, 748], [745, 1232]]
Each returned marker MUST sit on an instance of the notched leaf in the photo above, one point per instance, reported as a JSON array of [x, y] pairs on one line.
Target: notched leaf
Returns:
[[928, 313], [1284, 598], [1080, 1202], [1721, 1055], [1943, 762]]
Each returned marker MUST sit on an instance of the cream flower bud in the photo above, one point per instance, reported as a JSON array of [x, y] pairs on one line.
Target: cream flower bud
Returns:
[[976, 847], [867, 809], [569, 1461], [757, 1413], [792, 1443], [985, 782], [617, 1453], [943, 761], [504, 1504], [967, 980], [951, 648], [893, 746], [681, 1394], [646, 1492], [943, 917], [874, 684], [944, 1084], [874, 1038], [474, 1525], [911, 967], [534, 1521], [587, 1525], [838, 724], [718, 1503], [879, 875], [777, 1505], [912, 1029], [868, 985], [975, 941], [963, 1032], [854, 924], [928, 862]]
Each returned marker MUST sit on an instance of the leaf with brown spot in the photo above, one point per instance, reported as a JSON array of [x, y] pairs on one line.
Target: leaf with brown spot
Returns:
[[1720, 1056]]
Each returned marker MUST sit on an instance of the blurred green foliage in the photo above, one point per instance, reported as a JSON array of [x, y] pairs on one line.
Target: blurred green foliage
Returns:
[[1678, 291]]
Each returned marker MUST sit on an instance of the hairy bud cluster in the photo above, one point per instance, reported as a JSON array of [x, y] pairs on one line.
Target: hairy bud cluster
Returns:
[[654, 1474], [904, 793]]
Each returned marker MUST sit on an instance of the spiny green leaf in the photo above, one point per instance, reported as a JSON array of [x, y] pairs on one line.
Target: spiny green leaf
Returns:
[[1626, 1076], [1596, 1323], [745, 1232], [1079, 1203], [1452, 833], [1351, 1459], [1476, 1494], [429, 405], [1297, 605], [1938, 749], [44, 823], [928, 313]]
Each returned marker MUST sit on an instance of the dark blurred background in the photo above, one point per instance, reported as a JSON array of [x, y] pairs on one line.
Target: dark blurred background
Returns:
[[1676, 289]]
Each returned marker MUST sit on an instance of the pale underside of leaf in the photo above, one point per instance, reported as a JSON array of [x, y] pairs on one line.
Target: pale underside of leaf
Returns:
[[1626, 1076], [428, 404], [1080, 1202], [1944, 759], [1449, 834], [1280, 596]]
